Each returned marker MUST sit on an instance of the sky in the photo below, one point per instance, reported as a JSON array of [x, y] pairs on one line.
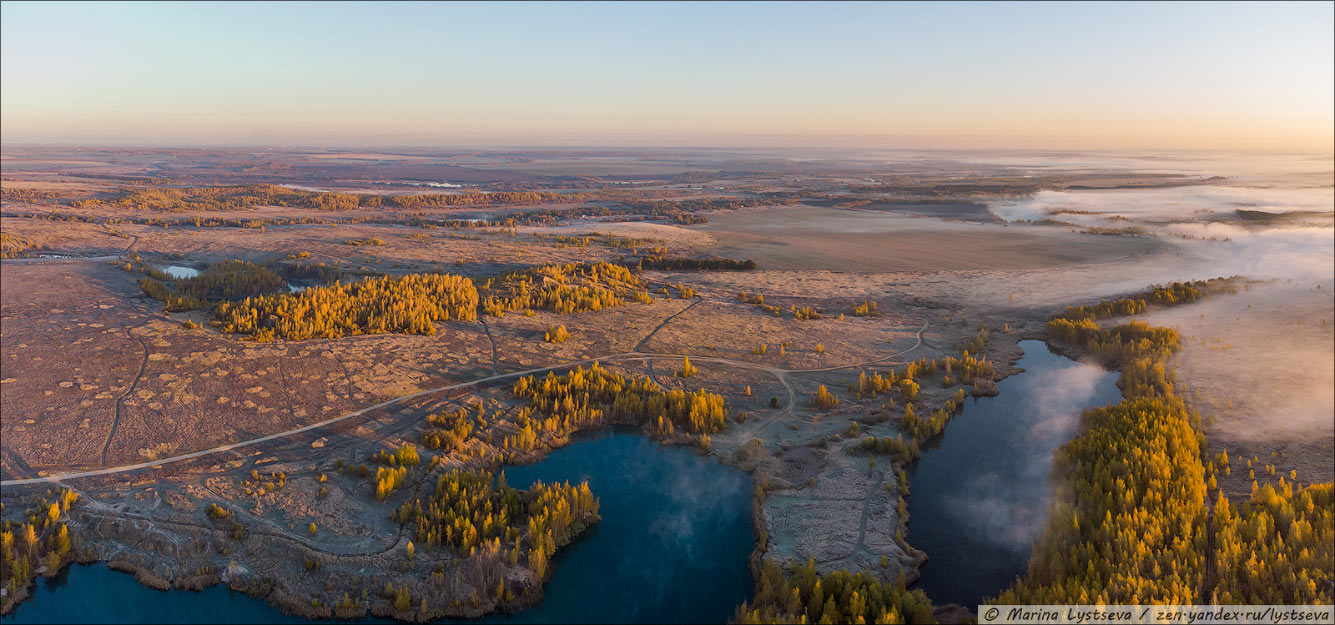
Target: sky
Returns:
[[1191, 76]]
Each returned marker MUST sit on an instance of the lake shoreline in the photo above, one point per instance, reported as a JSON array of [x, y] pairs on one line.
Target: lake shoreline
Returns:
[[277, 597]]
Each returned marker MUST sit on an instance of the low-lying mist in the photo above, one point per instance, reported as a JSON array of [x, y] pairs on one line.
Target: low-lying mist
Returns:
[[1189, 218], [1008, 510], [1172, 203], [1259, 363]]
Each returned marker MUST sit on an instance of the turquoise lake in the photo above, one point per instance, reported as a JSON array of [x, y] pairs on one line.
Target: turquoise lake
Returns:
[[676, 533], [672, 546]]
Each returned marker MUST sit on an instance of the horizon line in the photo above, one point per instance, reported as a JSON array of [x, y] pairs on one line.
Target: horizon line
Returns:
[[6, 146]]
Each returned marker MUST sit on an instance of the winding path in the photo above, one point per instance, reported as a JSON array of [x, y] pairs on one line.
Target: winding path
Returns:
[[494, 358], [860, 546], [143, 364], [116, 420], [777, 372], [782, 375]]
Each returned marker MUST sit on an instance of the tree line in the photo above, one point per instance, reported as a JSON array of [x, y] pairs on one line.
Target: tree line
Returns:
[[246, 197], [226, 280], [14, 246], [417, 220], [246, 301], [584, 398], [42, 540], [663, 263], [472, 509], [801, 595], [569, 288], [1132, 523], [410, 304], [1169, 295]]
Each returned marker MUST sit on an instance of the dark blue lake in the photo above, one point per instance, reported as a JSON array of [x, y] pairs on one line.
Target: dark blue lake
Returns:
[[980, 497], [672, 547], [675, 535]]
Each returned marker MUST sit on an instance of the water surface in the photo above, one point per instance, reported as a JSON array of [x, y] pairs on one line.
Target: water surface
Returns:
[[179, 272], [980, 498], [672, 547]]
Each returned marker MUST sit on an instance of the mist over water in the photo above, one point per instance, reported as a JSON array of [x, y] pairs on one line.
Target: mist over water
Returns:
[[1282, 253], [1174, 203], [673, 546], [980, 498], [1276, 169], [1258, 362], [1203, 222]]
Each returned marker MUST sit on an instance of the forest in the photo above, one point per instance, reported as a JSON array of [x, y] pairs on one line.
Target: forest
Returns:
[[586, 398], [416, 220], [226, 280], [1129, 526], [570, 288], [14, 246], [44, 540], [449, 431], [805, 596], [24, 194], [900, 451], [924, 429], [245, 197], [410, 304], [473, 509], [1170, 295], [1133, 523], [617, 208], [294, 269], [1118, 345], [218, 198], [663, 263], [468, 200], [1275, 548]]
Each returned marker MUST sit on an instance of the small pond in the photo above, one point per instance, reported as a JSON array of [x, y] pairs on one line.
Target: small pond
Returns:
[[179, 272]]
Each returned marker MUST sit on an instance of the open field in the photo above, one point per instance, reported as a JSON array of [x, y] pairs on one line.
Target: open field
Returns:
[[445, 313], [153, 416], [837, 240]]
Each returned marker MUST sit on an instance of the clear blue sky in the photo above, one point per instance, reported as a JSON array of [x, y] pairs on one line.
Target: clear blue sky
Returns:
[[955, 75]]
